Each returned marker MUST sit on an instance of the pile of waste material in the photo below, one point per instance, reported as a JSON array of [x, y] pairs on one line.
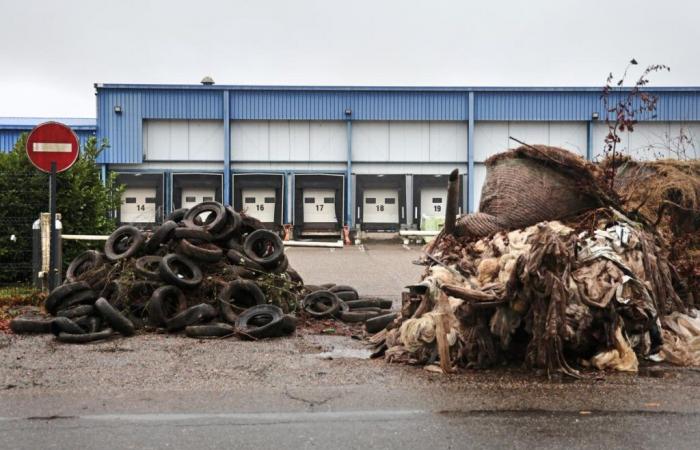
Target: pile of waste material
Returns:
[[550, 274], [208, 271], [666, 194]]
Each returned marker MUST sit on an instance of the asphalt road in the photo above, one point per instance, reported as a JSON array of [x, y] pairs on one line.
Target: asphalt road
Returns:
[[313, 391]]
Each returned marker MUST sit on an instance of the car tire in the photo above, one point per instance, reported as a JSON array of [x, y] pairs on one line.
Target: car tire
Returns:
[[321, 304], [88, 260], [148, 267], [238, 296], [264, 247], [161, 236], [191, 316], [84, 338], [57, 296], [206, 252], [134, 241], [214, 330], [65, 325], [165, 303], [169, 273], [377, 324], [268, 321], [118, 321], [25, 325], [212, 224]]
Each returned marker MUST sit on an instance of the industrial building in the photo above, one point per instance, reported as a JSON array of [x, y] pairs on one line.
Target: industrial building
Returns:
[[372, 158]]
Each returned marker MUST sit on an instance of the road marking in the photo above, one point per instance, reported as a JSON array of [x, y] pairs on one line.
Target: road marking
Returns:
[[273, 417]]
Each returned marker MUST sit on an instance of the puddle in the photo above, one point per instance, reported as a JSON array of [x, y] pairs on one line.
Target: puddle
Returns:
[[338, 353]]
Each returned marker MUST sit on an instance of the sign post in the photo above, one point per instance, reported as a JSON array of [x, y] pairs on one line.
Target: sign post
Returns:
[[52, 147]]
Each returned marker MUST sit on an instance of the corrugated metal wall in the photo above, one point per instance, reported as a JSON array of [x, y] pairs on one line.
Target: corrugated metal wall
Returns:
[[9, 137], [139, 102]]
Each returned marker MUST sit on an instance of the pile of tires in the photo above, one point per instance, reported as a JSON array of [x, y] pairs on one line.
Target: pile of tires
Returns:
[[343, 303], [207, 271]]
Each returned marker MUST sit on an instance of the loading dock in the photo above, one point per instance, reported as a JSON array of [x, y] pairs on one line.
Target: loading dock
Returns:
[[318, 204], [192, 188], [142, 199], [430, 199], [381, 202], [261, 196]]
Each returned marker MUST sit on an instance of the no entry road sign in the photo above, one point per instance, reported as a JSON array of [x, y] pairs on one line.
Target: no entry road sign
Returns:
[[52, 142]]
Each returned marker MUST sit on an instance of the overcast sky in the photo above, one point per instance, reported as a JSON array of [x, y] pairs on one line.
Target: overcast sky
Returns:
[[52, 52]]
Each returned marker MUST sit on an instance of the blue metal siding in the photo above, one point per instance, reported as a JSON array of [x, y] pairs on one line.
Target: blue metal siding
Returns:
[[173, 104], [365, 105], [141, 102], [124, 130], [9, 137]]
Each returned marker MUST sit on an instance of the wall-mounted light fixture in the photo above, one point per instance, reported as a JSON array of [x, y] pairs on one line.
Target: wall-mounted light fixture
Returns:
[[348, 111], [595, 116], [117, 109]]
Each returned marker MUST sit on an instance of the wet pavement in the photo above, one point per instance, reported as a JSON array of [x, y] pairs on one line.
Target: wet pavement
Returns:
[[320, 391]]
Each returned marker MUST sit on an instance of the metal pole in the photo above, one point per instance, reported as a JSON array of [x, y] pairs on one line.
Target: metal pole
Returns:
[[53, 240]]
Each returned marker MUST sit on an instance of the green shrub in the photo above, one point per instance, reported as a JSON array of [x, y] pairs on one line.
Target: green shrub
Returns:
[[85, 203]]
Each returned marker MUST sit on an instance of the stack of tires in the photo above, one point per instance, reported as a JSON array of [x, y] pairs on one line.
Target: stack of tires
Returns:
[[207, 271]]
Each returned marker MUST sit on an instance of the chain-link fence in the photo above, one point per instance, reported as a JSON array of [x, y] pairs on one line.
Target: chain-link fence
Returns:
[[17, 216]]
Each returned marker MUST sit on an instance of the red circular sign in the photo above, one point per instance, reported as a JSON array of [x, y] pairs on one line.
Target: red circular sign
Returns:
[[52, 142]]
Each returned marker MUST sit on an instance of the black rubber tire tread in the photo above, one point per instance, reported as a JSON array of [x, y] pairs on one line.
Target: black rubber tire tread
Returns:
[[343, 309], [192, 234], [191, 316], [312, 300], [169, 276], [342, 287], [240, 259], [25, 325], [259, 236], [250, 224], [327, 286], [289, 324], [177, 215], [282, 266], [161, 236], [346, 295], [215, 208], [69, 338], [273, 328], [157, 309], [137, 240], [367, 309], [377, 324], [213, 330], [92, 258], [77, 311], [370, 303], [233, 224], [116, 319], [200, 253], [294, 276], [358, 316], [87, 297], [141, 267], [230, 298], [56, 296], [313, 288], [89, 324], [65, 325]]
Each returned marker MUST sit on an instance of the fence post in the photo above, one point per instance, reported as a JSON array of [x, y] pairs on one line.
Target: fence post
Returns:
[[41, 253]]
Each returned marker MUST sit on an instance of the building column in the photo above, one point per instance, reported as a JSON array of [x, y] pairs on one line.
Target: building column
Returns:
[[470, 155], [589, 140], [227, 149], [349, 216]]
